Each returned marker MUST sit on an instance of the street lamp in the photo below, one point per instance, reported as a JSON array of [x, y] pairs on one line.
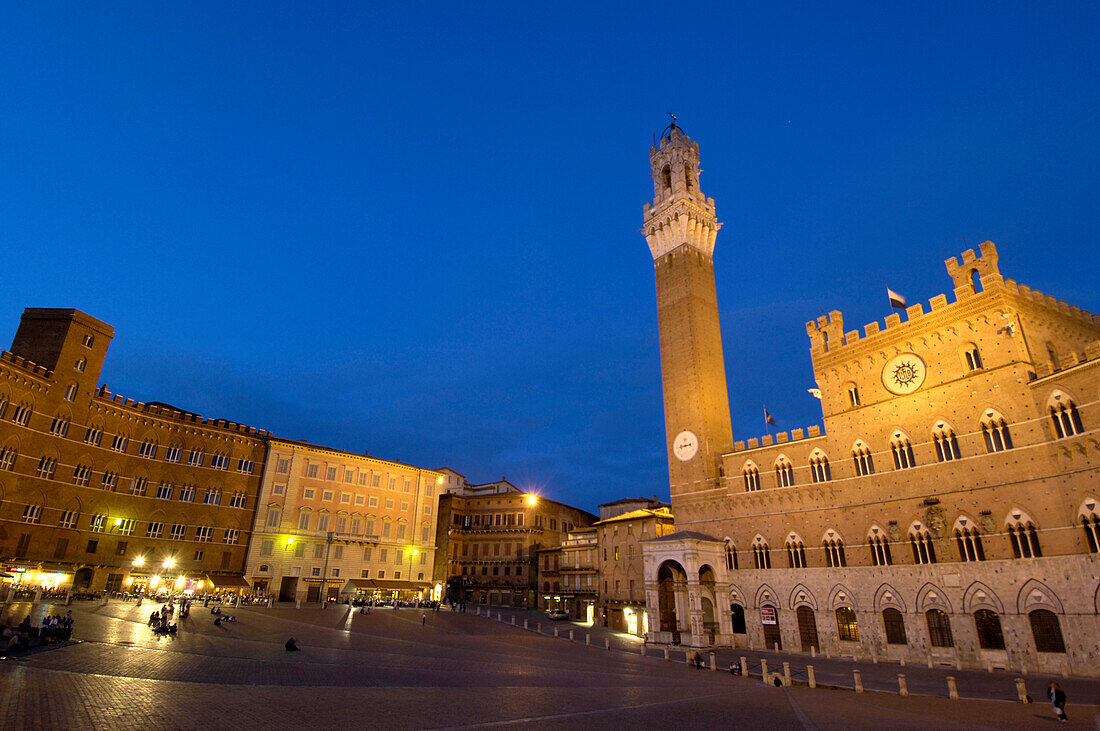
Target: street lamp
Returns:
[[139, 561], [169, 562]]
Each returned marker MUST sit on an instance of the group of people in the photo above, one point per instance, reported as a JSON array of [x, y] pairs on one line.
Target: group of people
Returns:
[[159, 620], [221, 617], [54, 628]]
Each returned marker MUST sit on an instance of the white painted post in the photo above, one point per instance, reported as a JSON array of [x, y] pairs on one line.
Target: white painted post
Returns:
[[813, 651], [713, 662], [607, 643], [903, 688], [666, 654], [786, 673], [764, 669], [555, 632], [513, 620], [859, 680], [643, 649], [777, 647], [744, 667], [810, 677], [525, 624], [903, 660], [570, 635], [952, 690]]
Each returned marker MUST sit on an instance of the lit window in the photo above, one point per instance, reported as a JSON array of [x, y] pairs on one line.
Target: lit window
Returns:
[[939, 628], [847, 629]]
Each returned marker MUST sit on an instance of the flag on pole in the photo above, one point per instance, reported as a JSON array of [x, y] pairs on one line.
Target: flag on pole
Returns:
[[768, 418], [897, 302]]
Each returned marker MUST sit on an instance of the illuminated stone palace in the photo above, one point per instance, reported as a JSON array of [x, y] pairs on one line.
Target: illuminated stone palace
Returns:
[[948, 511]]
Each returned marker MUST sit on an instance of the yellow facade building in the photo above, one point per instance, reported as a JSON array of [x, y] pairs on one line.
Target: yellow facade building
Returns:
[[948, 511], [332, 523]]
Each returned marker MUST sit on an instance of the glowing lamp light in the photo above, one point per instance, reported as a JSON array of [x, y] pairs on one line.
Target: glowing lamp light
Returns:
[[139, 561], [180, 582], [198, 586], [118, 522], [290, 541], [415, 552], [169, 563], [154, 582], [532, 499], [439, 480]]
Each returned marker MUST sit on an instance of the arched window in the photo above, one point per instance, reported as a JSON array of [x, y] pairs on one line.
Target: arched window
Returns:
[[731, 556], [761, 555], [666, 177], [796, 552], [784, 473], [969, 540], [973, 358], [947, 446], [1063, 414], [834, 550], [988, 624], [853, 395], [975, 281], [737, 619], [894, 623], [862, 460], [687, 175], [880, 547], [939, 628], [846, 627], [819, 467], [274, 515], [1046, 630], [902, 450], [1090, 521], [751, 476], [80, 364], [1023, 535], [995, 432], [924, 550], [1053, 356]]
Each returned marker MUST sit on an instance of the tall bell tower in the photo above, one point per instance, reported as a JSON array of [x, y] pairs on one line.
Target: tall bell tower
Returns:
[[681, 227]]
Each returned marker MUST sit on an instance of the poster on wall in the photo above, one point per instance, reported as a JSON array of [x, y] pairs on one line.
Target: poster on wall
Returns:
[[767, 615]]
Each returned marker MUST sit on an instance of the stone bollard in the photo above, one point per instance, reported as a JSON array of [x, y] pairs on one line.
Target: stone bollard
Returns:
[[786, 673], [903, 661], [513, 621], [854, 659], [958, 663], [538, 627], [643, 649], [555, 633], [570, 635], [952, 690], [1065, 670], [1021, 690], [776, 647], [811, 679], [607, 643], [587, 639], [500, 617], [666, 653], [38, 596], [859, 680], [874, 657], [297, 603], [813, 651], [69, 596], [477, 611], [828, 654], [764, 669], [903, 687], [713, 662], [106, 599], [744, 667], [525, 624], [930, 661]]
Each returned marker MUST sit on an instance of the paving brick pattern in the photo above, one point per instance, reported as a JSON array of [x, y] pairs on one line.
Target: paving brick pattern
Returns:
[[385, 670]]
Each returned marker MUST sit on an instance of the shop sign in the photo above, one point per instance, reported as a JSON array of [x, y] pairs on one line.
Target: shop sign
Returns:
[[767, 615]]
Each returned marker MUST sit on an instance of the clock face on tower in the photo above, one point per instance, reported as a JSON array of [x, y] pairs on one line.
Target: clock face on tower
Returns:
[[904, 373], [685, 445]]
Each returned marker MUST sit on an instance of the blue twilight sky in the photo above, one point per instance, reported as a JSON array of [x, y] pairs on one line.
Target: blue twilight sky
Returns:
[[412, 228]]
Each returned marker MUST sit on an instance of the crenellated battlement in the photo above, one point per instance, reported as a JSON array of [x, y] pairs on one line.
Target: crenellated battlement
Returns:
[[172, 414], [26, 365], [1067, 360], [768, 440], [827, 335]]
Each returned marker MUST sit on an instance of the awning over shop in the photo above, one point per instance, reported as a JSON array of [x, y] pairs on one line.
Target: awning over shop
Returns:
[[228, 581], [354, 585]]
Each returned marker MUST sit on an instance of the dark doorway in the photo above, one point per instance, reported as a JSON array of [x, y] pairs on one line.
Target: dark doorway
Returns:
[[737, 619], [807, 629], [82, 579], [288, 589]]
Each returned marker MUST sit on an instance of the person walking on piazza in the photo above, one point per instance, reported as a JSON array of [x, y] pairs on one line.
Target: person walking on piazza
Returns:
[[1058, 700]]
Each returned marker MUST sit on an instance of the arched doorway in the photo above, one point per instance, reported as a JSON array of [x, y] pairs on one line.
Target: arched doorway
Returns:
[[671, 580], [706, 603], [769, 617], [737, 619], [82, 579], [807, 628]]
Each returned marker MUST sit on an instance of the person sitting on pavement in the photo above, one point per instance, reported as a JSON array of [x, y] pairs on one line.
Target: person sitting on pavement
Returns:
[[291, 645], [217, 621]]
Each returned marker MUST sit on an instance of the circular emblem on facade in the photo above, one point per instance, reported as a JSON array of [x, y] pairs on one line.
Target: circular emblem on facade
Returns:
[[685, 445], [904, 374]]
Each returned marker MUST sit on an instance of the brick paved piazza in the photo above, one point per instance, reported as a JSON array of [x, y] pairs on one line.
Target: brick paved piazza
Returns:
[[386, 670]]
